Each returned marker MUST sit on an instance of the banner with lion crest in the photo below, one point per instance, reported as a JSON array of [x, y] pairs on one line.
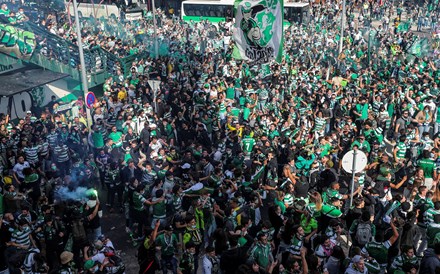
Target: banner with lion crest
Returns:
[[258, 32]]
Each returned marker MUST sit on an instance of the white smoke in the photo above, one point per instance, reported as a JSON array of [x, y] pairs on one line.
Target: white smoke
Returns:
[[64, 194]]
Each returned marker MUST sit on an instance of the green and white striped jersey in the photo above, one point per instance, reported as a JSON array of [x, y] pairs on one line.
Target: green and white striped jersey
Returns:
[[401, 150], [403, 259], [428, 216]]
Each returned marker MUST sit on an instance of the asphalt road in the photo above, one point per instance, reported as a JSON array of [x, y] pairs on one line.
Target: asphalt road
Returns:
[[113, 224]]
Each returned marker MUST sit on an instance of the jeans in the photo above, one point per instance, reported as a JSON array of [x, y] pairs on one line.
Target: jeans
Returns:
[[162, 222], [421, 235], [95, 233], [168, 261], [423, 128], [436, 127]]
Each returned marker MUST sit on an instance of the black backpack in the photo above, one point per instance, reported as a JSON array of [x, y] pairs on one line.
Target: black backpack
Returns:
[[78, 231]]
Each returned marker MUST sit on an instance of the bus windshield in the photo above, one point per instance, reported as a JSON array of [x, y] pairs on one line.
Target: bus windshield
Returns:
[[223, 10], [296, 13], [213, 11]]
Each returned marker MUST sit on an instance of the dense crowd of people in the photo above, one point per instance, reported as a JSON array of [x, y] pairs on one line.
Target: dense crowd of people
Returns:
[[231, 168]]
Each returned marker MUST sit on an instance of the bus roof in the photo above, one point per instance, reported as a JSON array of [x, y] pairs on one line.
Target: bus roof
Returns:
[[231, 2], [296, 4], [209, 2]]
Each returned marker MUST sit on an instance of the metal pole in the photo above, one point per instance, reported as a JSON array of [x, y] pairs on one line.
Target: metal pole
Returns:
[[155, 98], [369, 45], [156, 47], [341, 39], [353, 173], [82, 62]]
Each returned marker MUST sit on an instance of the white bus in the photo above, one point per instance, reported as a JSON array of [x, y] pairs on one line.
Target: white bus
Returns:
[[223, 10], [102, 8]]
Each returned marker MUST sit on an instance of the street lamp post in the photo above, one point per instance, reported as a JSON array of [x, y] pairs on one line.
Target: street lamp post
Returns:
[[369, 45], [341, 39], [82, 62], [156, 47]]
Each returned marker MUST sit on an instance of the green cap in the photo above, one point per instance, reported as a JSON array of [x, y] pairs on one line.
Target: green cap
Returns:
[[89, 264]]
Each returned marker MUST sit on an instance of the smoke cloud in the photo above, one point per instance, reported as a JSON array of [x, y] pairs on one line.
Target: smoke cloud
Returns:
[[65, 193]]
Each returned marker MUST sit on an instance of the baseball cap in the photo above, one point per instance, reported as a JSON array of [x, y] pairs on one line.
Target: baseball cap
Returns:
[[89, 264]]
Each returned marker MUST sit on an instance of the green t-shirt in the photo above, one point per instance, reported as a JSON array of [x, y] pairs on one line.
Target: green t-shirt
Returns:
[[428, 166], [310, 225], [167, 244], [159, 210], [331, 211], [235, 112], [116, 137], [363, 110], [98, 139], [438, 116], [230, 93], [261, 254], [378, 251], [5, 12], [246, 113], [248, 144]]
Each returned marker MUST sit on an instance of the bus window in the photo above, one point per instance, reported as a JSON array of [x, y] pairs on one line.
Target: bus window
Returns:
[[305, 17]]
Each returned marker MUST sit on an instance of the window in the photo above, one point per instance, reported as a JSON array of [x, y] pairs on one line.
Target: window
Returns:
[[206, 10]]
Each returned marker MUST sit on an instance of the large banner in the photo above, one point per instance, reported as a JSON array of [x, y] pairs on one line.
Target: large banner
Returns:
[[16, 42], [258, 30]]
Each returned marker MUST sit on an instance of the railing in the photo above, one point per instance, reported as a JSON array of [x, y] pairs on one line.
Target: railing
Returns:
[[57, 54]]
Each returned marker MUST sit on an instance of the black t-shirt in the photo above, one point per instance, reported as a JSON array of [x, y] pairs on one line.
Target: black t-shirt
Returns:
[[301, 188], [96, 221]]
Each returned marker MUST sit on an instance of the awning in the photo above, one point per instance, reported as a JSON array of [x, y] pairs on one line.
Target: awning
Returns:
[[25, 79]]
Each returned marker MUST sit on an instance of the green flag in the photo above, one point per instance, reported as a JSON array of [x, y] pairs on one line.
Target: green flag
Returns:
[[259, 30], [420, 48], [258, 174]]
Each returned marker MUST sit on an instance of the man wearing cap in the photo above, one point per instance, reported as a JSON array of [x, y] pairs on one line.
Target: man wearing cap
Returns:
[[357, 266], [167, 244], [67, 266]]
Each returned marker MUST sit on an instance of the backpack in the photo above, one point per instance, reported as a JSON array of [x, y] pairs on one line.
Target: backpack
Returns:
[[78, 231], [16, 261], [363, 233]]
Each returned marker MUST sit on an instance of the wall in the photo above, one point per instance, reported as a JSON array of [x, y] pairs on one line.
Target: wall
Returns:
[[36, 99]]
